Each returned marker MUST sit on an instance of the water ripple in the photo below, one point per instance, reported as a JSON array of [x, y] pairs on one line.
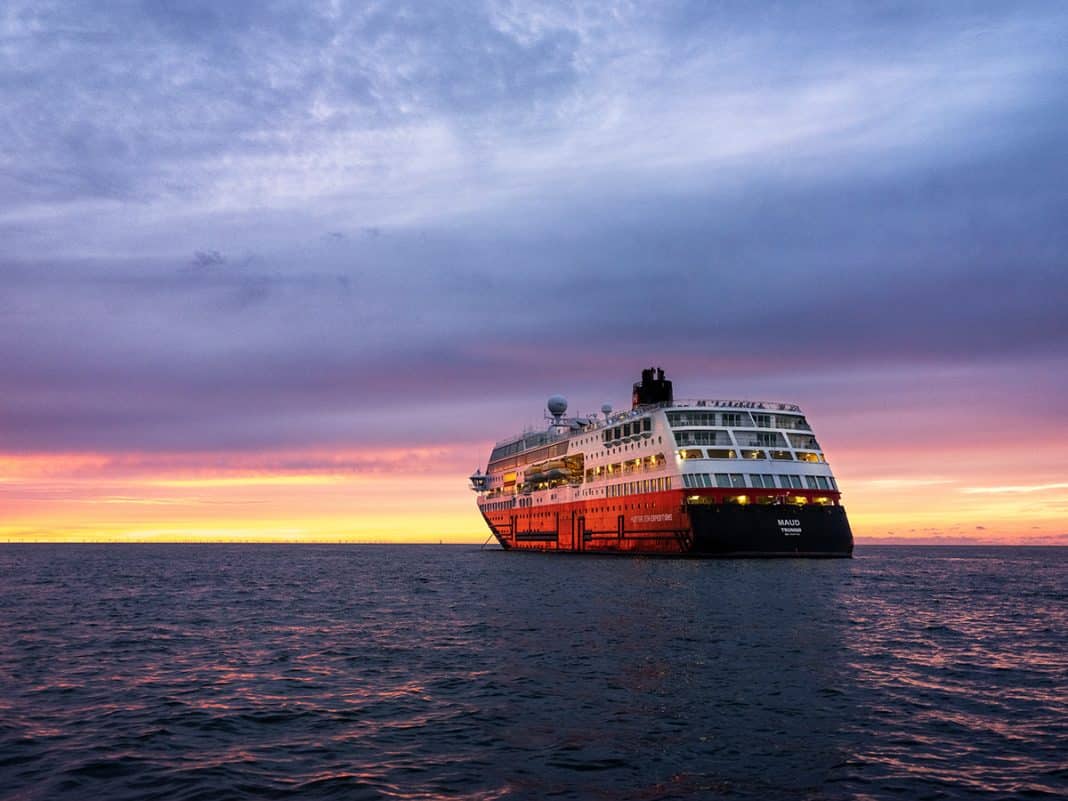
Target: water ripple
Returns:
[[217, 672]]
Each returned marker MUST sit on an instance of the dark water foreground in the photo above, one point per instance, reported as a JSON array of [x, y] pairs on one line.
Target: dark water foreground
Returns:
[[408, 672]]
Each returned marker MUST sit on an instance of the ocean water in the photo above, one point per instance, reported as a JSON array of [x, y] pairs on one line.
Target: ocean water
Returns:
[[424, 672]]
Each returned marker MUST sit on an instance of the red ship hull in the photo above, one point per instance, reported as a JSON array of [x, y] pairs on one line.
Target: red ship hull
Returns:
[[676, 523]]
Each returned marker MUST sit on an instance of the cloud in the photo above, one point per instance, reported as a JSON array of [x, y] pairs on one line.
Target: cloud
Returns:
[[203, 259], [515, 199], [1011, 489], [291, 100], [904, 483], [185, 92], [70, 473]]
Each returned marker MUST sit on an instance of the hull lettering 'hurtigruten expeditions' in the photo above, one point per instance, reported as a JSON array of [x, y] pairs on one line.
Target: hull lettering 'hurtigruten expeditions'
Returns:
[[666, 477]]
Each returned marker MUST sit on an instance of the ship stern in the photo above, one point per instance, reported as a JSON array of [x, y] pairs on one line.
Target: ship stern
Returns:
[[757, 530]]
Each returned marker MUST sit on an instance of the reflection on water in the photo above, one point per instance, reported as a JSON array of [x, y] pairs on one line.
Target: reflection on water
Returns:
[[959, 659], [427, 672]]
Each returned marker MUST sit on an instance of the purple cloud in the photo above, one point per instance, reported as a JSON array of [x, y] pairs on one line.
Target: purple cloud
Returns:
[[465, 208]]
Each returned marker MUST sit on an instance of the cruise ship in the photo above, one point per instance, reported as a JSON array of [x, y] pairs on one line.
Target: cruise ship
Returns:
[[707, 478]]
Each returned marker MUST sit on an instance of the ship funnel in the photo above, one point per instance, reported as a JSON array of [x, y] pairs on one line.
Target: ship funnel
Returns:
[[654, 388]]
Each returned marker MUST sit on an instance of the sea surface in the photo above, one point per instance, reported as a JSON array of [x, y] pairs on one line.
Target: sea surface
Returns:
[[419, 672]]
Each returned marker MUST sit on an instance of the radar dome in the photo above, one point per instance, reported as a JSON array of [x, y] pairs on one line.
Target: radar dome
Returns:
[[606, 409], [557, 405]]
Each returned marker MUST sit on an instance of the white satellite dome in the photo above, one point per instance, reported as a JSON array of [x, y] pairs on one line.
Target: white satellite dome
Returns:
[[557, 405]]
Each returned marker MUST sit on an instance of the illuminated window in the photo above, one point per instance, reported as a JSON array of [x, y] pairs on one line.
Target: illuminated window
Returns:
[[721, 453], [783, 456]]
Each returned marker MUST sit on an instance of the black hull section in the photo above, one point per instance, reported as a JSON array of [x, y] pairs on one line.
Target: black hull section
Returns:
[[771, 531]]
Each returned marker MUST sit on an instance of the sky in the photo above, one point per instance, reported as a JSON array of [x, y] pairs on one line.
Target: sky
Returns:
[[286, 271]]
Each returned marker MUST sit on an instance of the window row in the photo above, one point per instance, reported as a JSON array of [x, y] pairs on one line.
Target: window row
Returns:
[[636, 465], [703, 437], [752, 439], [632, 429], [756, 481], [730, 453], [679, 419], [559, 449], [690, 418], [638, 487]]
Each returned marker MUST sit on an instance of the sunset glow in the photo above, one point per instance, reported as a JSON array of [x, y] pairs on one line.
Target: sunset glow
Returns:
[[890, 495]]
